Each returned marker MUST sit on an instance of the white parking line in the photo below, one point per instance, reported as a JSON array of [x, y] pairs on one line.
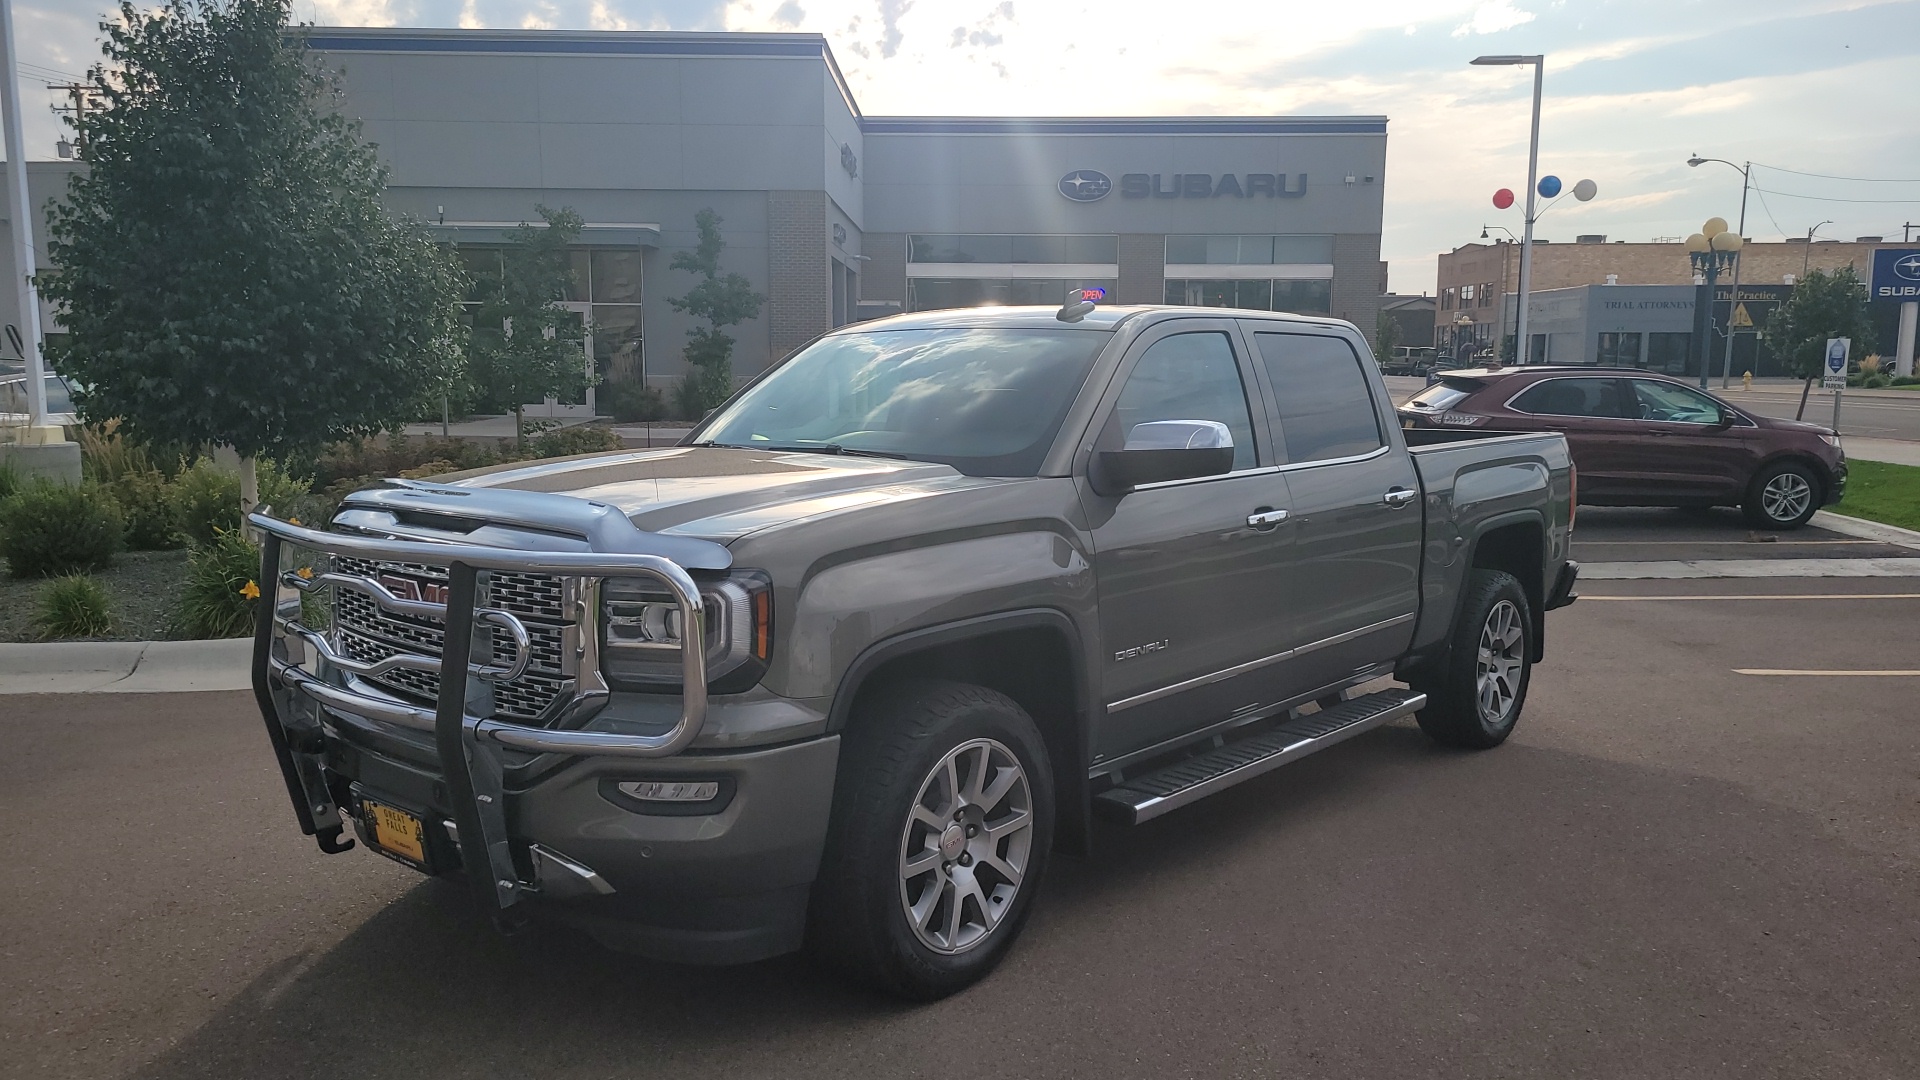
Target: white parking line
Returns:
[[1770, 596], [1794, 671]]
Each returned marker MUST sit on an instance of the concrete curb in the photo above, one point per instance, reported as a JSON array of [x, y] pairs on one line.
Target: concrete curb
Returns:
[[125, 667], [1749, 568], [1863, 529]]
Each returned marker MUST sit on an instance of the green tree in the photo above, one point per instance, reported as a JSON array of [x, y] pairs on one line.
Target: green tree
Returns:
[[525, 346], [1386, 335], [1822, 305], [723, 300], [228, 272]]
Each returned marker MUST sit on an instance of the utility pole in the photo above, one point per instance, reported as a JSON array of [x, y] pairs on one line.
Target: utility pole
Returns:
[[79, 95]]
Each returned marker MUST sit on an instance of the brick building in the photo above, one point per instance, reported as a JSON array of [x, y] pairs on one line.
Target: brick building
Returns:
[[1475, 280]]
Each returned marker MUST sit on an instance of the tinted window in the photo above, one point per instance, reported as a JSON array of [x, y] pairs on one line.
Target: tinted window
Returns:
[[1573, 397], [986, 401], [1186, 377], [1677, 404], [1320, 391]]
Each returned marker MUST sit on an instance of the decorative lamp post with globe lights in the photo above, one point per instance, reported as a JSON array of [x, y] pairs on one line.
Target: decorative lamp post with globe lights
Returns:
[[1713, 249]]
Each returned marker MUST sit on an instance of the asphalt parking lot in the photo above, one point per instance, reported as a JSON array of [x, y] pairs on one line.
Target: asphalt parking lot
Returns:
[[1672, 869]]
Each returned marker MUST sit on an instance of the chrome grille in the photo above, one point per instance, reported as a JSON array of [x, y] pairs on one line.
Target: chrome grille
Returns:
[[365, 632]]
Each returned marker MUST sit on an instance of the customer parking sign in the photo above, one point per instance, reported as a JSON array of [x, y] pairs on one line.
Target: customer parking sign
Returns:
[[1836, 368]]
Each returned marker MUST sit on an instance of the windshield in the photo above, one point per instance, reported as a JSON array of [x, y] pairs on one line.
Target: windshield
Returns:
[[986, 401]]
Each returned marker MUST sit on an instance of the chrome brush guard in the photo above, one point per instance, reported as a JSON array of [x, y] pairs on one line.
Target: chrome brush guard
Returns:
[[298, 673]]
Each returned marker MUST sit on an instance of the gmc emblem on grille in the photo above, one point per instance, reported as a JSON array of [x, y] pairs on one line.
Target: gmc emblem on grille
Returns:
[[406, 588]]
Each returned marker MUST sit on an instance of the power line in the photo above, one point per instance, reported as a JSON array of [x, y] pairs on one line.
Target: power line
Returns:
[[1831, 198], [1829, 176]]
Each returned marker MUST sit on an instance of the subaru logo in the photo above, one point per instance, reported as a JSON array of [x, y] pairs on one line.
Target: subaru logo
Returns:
[[1908, 267], [1085, 185]]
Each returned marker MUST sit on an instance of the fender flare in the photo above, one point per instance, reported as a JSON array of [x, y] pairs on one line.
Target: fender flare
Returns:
[[1074, 806]]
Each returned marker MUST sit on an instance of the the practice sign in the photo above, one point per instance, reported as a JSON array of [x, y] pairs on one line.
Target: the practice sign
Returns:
[[1896, 275]]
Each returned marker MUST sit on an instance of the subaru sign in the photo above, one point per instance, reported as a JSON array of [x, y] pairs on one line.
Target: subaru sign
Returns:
[[1896, 275]]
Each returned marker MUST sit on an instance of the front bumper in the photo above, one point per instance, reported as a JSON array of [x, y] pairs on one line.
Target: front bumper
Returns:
[[531, 815]]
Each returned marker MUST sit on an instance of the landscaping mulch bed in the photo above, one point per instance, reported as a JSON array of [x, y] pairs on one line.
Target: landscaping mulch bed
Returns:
[[144, 587]]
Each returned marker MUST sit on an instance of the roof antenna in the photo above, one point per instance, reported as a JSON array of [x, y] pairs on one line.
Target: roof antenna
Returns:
[[1083, 302]]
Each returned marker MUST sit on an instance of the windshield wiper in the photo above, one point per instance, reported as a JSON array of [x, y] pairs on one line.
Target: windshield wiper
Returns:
[[810, 448]]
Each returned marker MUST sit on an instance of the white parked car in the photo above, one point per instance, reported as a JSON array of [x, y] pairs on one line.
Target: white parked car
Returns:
[[13, 398]]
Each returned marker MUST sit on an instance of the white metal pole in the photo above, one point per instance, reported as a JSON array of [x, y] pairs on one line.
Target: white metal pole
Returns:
[[1903, 354], [1726, 366], [20, 206], [1522, 350]]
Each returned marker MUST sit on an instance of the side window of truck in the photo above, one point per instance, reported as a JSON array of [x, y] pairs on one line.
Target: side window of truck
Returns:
[[1320, 391], [1186, 377]]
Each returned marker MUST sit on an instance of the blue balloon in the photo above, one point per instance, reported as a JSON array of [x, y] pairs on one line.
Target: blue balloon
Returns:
[[1549, 186]]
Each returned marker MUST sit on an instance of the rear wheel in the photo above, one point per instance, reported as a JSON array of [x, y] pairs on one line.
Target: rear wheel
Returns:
[[1783, 496], [940, 833], [1476, 700]]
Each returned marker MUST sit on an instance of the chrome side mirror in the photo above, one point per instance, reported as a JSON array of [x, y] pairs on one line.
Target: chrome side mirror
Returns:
[[1163, 450]]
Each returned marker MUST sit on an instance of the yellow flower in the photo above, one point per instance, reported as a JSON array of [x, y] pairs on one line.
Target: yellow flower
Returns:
[[250, 591], [305, 572]]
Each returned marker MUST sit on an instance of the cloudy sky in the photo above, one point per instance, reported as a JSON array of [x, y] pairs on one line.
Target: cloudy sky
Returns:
[[1633, 88]]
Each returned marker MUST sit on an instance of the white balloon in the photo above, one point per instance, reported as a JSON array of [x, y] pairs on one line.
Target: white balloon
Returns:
[[1585, 190]]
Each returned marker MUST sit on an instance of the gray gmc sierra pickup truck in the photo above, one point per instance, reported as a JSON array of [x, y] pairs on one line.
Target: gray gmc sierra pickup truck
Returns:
[[897, 622]]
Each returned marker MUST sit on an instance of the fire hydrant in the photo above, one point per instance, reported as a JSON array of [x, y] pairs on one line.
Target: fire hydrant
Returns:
[[1746, 380]]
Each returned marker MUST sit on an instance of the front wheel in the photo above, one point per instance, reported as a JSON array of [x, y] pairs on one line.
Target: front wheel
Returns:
[[1476, 700], [942, 821], [1783, 496]]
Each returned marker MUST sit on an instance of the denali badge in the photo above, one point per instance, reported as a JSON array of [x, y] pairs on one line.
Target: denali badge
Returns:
[[1140, 650]]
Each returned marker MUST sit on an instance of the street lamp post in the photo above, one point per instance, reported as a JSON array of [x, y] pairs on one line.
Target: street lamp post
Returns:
[[1506, 254], [1713, 249], [1539, 62], [1746, 178]]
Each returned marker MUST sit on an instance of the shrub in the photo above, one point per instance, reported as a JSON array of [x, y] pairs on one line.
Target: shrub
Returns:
[[10, 481], [1876, 381], [48, 529], [1905, 380], [395, 455], [632, 402], [580, 439], [150, 504], [209, 497], [214, 603], [74, 606]]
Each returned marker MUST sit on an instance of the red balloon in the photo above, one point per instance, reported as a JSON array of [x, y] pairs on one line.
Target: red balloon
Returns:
[[1503, 198]]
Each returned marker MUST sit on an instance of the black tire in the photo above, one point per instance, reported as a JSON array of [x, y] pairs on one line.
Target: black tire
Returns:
[[1783, 496], [892, 763], [1455, 714]]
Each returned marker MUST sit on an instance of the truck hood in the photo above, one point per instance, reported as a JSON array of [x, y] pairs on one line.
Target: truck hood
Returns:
[[723, 493]]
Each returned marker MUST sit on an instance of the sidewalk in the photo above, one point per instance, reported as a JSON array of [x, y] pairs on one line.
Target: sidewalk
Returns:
[[1892, 451]]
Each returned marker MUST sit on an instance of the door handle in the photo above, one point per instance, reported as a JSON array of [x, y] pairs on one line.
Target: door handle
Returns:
[[1266, 519], [1399, 497]]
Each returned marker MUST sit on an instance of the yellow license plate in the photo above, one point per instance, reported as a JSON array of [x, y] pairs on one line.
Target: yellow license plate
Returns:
[[397, 831]]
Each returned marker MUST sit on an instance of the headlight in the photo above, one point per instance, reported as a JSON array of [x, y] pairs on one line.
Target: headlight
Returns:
[[1830, 440], [641, 629]]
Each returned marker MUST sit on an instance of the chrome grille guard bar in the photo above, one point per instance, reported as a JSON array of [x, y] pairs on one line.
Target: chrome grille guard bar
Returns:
[[291, 697]]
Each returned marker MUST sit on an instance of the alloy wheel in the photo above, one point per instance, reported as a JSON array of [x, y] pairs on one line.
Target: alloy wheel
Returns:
[[1786, 496], [1500, 663], [966, 846]]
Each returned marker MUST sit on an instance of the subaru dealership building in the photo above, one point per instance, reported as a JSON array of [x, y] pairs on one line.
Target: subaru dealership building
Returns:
[[835, 215]]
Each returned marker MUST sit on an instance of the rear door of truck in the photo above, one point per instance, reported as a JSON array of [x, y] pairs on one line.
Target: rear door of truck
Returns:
[[1356, 519]]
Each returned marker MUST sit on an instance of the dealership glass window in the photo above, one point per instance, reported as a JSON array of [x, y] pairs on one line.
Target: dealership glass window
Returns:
[[927, 294], [1668, 352], [1248, 249], [1320, 391], [1618, 350], [1299, 297], [1011, 248], [608, 280]]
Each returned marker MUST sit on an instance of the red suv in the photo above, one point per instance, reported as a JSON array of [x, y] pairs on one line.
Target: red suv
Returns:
[[1643, 439]]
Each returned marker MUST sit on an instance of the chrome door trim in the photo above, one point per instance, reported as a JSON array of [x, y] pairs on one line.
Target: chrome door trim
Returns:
[[1252, 665], [1368, 456]]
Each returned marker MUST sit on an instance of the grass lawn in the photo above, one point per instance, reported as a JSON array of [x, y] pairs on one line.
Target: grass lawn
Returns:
[[144, 587], [1879, 491]]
